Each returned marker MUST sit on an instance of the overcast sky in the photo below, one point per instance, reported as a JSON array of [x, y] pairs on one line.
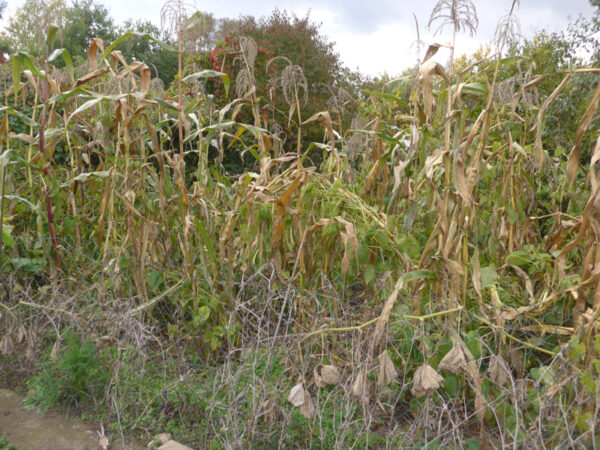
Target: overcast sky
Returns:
[[375, 36]]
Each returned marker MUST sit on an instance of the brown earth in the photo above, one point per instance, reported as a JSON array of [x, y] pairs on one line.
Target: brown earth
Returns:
[[31, 430]]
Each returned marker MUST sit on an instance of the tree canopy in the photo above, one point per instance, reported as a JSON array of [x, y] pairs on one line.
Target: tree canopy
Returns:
[[26, 29]]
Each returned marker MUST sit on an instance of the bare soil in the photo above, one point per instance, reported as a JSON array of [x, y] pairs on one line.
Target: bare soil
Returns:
[[32, 430]]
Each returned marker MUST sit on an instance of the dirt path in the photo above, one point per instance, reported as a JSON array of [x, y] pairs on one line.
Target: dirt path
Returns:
[[30, 430]]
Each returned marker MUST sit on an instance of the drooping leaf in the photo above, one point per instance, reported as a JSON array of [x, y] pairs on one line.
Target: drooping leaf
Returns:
[[131, 34], [27, 120], [85, 176], [51, 35], [390, 97], [205, 74], [66, 56]]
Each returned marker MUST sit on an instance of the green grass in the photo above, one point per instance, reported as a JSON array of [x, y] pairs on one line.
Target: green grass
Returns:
[[4, 445]]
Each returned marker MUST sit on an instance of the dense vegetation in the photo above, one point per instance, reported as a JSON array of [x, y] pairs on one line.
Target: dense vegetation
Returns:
[[269, 253]]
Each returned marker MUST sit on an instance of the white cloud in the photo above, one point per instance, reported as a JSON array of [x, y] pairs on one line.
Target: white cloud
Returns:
[[374, 36]]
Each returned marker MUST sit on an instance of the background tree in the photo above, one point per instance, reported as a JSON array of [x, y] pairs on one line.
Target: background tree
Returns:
[[300, 42], [26, 29], [202, 34], [299, 39], [162, 62], [84, 20]]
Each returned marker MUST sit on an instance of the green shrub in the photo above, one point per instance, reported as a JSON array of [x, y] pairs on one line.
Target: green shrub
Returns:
[[76, 375]]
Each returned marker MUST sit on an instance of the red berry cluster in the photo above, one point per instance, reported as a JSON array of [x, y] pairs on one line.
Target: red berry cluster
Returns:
[[214, 58], [263, 47]]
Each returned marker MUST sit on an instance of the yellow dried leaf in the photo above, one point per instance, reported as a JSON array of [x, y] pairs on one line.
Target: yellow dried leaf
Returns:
[[427, 71], [90, 76], [476, 276], [425, 381], [573, 161], [432, 161], [433, 49], [325, 119], [539, 123], [385, 315], [95, 44]]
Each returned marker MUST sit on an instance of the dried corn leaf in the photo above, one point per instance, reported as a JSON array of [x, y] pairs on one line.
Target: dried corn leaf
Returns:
[[433, 161], [95, 44], [90, 76], [593, 161], [425, 381], [385, 315], [325, 119], [427, 71], [573, 162], [476, 276], [348, 237], [433, 49], [283, 205], [539, 124], [387, 370], [460, 181]]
